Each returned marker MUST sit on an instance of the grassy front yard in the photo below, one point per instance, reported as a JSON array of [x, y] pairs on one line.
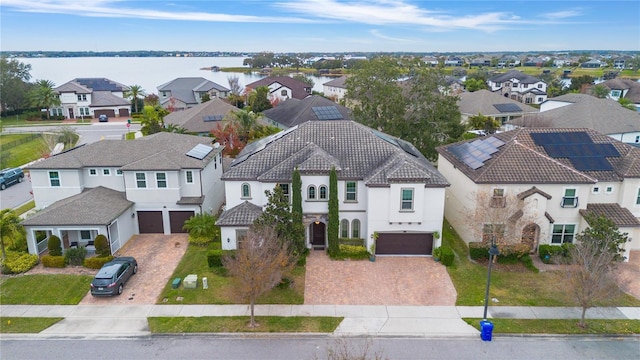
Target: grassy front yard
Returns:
[[231, 324], [44, 289], [221, 287], [560, 326], [23, 153], [512, 285], [24, 325]]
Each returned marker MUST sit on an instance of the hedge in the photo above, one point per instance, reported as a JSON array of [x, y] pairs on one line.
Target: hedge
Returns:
[[53, 261], [478, 250], [553, 253], [96, 262], [447, 256], [75, 256], [353, 252], [18, 262], [508, 253], [214, 258]]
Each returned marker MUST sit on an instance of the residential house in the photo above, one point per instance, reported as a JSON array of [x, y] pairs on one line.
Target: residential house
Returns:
[[202, 118], [593, 64], [509, 60], [519, 86], [622, 62], [454, 85], [480, 61], [535, 61], [624, 88], [335, 89], [552, 176], [454, 61], [585, 111], [294, 112], [432, 61], [187, 92], [385, 186], [282, 88], [491, 104], [90, 98], [119, 188]]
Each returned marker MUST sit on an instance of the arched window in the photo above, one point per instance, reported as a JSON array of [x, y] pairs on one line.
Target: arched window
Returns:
[[344, 228], [311, 192], [355, 229], [322, 190], [246, 191]]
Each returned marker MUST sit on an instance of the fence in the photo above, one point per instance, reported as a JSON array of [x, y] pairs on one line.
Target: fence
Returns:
[[14, 143]]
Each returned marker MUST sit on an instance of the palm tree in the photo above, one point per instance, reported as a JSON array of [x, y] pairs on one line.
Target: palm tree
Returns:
[[9, 227], [134, 92], [246, 121], [43, 96]]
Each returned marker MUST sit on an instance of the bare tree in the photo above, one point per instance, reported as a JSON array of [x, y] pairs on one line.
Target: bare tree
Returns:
[[234, 85], [259, 264]]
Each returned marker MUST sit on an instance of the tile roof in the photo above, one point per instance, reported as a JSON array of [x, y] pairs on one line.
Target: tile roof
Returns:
[[183, 88], [161, 151], [241, 215], [357, 152], [521, 161], [106, 98], [622, 217], [515, 74], [484, 101], [586, 111], [293, 112], [95, 206], [534, 190], [192, 119], [299, 90], [338, 82]]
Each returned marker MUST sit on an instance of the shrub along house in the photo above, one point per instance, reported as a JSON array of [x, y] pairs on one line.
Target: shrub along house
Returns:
[[554, 175], [119, 188], [385, 186]]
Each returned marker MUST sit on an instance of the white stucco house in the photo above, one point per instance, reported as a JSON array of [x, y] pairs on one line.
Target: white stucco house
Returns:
[[119, 188], [519, 86], [187, 92], [335, 89], [385, 186], [90, 98], [554, 175]]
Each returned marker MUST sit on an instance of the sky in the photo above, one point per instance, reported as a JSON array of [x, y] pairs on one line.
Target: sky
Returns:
[[319, 25]]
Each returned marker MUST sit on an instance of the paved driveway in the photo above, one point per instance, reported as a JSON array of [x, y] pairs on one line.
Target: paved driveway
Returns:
[[157, 256], [387, 281], [628, 275]]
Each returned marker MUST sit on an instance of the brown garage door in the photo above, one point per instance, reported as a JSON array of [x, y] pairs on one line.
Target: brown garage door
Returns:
[[177, 219], [404, 244], [150, 222], [123, 112], [110, 113]]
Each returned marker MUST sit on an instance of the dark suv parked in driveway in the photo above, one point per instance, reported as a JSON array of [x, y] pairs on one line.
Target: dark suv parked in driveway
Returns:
[[10, 176], [113, 275]]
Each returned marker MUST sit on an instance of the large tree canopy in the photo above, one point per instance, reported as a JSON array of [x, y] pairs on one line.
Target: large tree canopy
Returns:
[[14, 83]]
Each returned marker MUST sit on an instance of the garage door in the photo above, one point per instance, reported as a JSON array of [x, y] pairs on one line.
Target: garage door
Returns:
[[150, 222], [404, 244], [123, 112], [110, 113], [177, 219]]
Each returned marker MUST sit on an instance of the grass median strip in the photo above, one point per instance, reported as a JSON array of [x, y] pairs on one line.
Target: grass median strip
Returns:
[[232, 324], [44, 289], [560, 326], [25, 325]]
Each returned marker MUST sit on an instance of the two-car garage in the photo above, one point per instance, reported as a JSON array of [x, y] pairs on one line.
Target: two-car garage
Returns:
[[151, 222], [414, 243]]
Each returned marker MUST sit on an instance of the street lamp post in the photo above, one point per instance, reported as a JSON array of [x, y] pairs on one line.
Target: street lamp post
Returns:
[[493, 251]]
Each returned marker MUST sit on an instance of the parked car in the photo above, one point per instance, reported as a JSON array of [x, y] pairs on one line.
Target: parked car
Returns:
[[10, 176], [103, 118], [113, 275]]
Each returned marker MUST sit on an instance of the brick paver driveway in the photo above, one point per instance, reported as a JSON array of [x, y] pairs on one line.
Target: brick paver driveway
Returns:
[[157, 256], [387, 281]]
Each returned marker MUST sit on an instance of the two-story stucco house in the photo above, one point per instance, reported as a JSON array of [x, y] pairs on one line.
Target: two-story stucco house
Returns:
[[187, 92], [385, 186], [519, 86], [335, 89], [282, 88], [120, 188], [90, 98], [553, 175]]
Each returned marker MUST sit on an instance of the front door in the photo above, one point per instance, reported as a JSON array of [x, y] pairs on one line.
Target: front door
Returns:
[[71, 113], [317, 235]]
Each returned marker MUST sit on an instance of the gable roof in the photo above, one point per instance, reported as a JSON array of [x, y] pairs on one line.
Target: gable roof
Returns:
[[338, 82], [633, 88], [356, 151], [484, 102], [183, 88], [586, 111], [160, 151], [81, 209], [292, 112], [521, 161], [622, 217], [192, 119], [101, 90], [514, 74], [106, 98], [299, 90]]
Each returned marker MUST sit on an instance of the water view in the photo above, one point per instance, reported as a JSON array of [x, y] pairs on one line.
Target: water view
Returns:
[[144, 71]]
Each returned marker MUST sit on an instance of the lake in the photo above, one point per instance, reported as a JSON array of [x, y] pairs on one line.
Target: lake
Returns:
[[148, 72]]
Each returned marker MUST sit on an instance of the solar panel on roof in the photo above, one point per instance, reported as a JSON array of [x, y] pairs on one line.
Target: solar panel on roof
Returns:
[[507, 108], [408, 148], [208, 118], [591, 163], [200, 151], [327, 113], [475, 153], [581, 150], [99, 84], [577, 137]]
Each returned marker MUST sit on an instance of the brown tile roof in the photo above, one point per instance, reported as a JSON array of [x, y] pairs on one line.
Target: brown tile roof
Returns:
[[622, 217], [534, 190]]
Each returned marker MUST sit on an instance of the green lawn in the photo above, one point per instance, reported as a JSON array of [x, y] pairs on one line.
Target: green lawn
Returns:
[[231, 324], [221, 287], [23, 153], [44, 289], [560, 326], [24, 208], [512, 285], [25, 325]]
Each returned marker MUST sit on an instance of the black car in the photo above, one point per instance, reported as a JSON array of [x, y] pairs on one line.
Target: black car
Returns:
[[113, 275], [103, 118], [10, 176]]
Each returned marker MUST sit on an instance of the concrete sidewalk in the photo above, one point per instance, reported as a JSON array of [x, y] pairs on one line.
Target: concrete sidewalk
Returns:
[[374, 320]]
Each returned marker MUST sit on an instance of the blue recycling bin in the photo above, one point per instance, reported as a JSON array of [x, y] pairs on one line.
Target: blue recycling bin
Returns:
[[486, 329]]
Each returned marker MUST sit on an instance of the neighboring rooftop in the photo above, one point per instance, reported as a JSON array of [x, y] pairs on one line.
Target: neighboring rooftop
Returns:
[[313, 108], [201, 118], [338, 82], [514, 74], [184, 88], [489, 103], [622, 217], [299, 89]]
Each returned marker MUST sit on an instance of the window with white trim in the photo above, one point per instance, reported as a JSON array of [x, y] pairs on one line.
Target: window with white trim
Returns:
[[118, 172], [82, 97], [406, 202], [246, 191], [638, 198], [161, 180], [344, 228], [285, 191], [189, 176], [608, 190], [355, 229], [322, 192], [498, 200], [595, 190], [93, 172], [311, 192], [141, 180], [54, 178], [106, 172], [570, 198], [563, 233], [84, 111], [351, 191]]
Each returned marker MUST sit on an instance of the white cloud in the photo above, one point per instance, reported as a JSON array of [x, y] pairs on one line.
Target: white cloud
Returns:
[[378, 34], [562, 14]]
